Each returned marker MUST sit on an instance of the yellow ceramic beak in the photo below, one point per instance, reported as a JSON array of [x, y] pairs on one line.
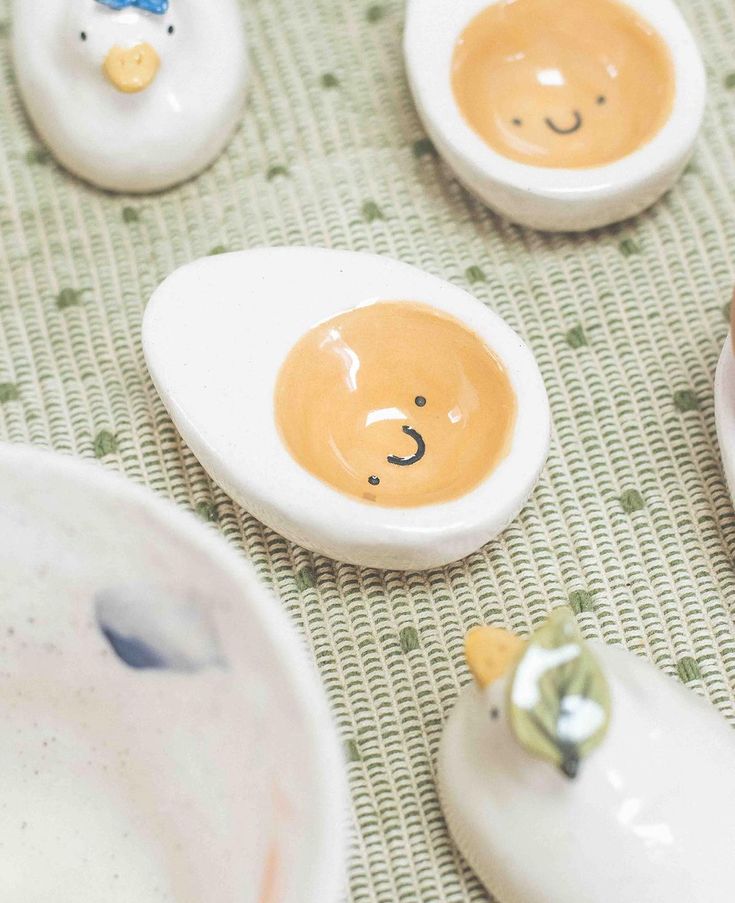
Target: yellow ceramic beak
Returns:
[[132, 70], [491, 652]]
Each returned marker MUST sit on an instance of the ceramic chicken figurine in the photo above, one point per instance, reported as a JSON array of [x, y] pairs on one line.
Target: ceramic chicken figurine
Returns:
[[132, 95], [571, 773]]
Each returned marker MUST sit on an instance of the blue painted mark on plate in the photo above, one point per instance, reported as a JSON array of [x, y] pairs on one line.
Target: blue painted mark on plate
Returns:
[[134, 652], [155, 628]]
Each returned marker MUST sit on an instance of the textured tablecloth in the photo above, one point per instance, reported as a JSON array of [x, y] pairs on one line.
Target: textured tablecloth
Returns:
[[631, 523]]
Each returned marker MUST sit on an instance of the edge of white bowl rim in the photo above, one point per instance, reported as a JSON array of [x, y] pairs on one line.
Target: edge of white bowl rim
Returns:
[[725, 413], [290, 654]]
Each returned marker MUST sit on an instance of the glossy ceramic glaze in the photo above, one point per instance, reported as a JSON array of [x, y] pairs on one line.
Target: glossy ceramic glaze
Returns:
[[361, 405], [725, 411], [571, 85], [569, 176], [164, 735], [216, 335], [131, 99], [648, 814]]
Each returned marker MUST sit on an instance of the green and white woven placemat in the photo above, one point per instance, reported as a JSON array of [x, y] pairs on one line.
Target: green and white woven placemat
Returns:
[[631, 524]]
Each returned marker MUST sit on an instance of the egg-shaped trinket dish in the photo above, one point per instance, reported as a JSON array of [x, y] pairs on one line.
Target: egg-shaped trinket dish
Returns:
[[562, 116], [131, 95], [357, 405], [165, 737], [571, 772]]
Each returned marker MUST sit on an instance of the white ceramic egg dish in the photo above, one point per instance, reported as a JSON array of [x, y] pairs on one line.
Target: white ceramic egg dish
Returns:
[[134, 99], [725, 412], [215, 336], [165, 739], [575, 199]]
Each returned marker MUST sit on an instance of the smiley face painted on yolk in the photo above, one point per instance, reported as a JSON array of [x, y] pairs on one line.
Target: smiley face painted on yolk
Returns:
[[563, 83], [395, 404]]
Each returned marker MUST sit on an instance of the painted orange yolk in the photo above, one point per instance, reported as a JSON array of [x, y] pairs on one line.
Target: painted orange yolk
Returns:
[[563, 83], [395, 404]]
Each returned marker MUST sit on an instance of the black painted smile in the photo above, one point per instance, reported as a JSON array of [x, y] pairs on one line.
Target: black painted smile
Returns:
[[570, 131], [417, 456]]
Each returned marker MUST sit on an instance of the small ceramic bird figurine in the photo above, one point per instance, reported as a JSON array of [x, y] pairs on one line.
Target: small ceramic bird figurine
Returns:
[[132, 95], [577, 774]]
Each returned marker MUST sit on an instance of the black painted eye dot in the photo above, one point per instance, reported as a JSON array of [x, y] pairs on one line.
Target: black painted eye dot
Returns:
[[171, 29], [601, 99], [374, 481], [517, 121], [420, 401], [495, 714], [83, 35]]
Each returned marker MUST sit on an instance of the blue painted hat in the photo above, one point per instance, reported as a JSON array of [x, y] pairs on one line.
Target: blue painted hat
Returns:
[[157, 7]]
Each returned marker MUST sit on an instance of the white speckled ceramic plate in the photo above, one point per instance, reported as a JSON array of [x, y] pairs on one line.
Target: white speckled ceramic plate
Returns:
[[164, 736]]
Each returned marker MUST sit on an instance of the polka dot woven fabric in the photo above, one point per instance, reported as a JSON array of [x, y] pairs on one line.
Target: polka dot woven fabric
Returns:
[[631, 524]]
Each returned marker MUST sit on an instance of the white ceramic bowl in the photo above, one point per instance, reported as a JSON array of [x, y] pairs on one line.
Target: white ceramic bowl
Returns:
[[165, 737], [215, 336], [541, 197]]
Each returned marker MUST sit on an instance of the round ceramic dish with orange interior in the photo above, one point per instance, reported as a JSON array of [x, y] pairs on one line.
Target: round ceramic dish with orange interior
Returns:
[[562, 115]]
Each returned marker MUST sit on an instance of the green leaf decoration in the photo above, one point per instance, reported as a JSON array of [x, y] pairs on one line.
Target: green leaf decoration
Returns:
[[558, 697]]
